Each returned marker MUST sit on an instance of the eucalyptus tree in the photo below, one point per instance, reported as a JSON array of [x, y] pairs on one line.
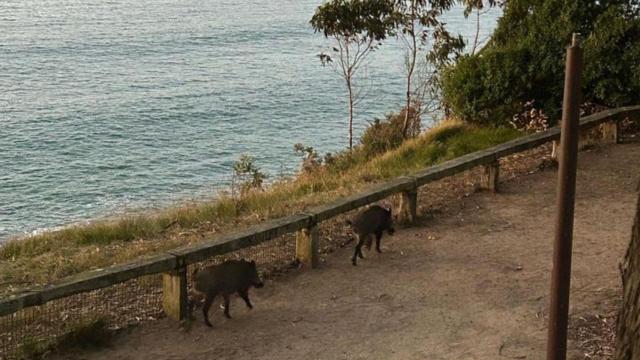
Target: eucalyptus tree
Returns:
[[477, 5], [425, 37], [356, 28]]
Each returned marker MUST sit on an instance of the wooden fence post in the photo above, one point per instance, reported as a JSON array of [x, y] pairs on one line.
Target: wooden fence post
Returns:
[[587, 138], [610, 132], [491, 176], [307, 245], [408, 206], [555, 150], [174, 294]]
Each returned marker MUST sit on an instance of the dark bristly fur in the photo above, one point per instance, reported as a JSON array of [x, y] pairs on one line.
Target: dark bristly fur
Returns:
[[225, 279], [372, 221]]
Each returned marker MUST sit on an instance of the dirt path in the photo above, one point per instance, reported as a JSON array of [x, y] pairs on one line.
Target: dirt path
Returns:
[[466, 285]]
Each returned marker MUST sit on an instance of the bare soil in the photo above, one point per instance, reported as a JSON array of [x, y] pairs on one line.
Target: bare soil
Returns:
[[471, 282]]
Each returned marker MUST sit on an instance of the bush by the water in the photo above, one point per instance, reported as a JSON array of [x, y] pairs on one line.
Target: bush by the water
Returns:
[[387, 134], [379, 137], [246, 175], [524, 61]]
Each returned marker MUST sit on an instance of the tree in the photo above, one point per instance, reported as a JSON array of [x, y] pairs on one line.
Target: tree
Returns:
[[477, 5], [628, 334], [524, 60], [357, 27], [420, 26]]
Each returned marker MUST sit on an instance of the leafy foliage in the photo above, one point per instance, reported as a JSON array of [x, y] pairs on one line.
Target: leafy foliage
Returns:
[[487, 88], [524, 61], [388, 134], [311, 160], [356, 27], [248, 174], [362, 20], [420, 28]]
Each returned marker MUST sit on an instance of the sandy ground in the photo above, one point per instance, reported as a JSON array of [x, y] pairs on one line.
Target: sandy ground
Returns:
[[471, 283]]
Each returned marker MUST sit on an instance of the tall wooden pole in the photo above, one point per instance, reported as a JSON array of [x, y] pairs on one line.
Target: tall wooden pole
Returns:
[[561, 274]]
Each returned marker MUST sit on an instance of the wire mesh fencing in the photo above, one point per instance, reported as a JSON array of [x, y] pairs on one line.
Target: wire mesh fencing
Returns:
[[31, 331], [271, 257]]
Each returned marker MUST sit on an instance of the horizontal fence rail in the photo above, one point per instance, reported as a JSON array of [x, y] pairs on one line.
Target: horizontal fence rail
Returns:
[[177, 260]]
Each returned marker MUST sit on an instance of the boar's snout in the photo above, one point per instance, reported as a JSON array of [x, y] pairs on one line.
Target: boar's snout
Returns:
[[391, 231], [259, 284]]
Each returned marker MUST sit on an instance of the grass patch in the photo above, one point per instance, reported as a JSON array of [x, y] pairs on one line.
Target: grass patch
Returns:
[[91, 334], [31, 349], [53, 255]]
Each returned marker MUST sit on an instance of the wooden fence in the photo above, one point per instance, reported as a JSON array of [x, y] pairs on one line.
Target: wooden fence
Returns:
[[173, 264]]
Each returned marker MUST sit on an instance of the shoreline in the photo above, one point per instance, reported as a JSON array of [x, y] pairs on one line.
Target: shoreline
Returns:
[[114, 216]]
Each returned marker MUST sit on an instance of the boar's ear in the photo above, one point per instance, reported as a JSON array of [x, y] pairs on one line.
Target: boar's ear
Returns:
[[388, 210], [253, 262]]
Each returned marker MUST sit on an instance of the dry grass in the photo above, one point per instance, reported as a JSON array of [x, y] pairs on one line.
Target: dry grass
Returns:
[[594, 332], [54, 255]]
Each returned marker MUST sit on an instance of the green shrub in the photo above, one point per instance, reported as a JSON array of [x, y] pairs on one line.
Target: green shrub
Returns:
[[384, 135], [524, 61], [614, 79], [486, 89], [247, 175], [379, 137], [311, 160]]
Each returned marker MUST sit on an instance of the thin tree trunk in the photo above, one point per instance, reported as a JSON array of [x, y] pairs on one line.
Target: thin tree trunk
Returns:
[[475, 40], [351, 100], [411, 66], [405, 126]]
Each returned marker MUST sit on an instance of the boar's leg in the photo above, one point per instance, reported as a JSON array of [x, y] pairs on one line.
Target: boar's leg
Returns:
[[378, 237], [369, 241], [244, 294], [226, 306], [359, 247], [205, 309], [358, 251]]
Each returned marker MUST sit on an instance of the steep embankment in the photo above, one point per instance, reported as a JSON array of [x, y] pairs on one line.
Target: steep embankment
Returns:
[[54, 255]]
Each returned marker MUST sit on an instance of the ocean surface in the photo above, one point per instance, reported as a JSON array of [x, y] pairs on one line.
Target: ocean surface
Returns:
[[111, 106]]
